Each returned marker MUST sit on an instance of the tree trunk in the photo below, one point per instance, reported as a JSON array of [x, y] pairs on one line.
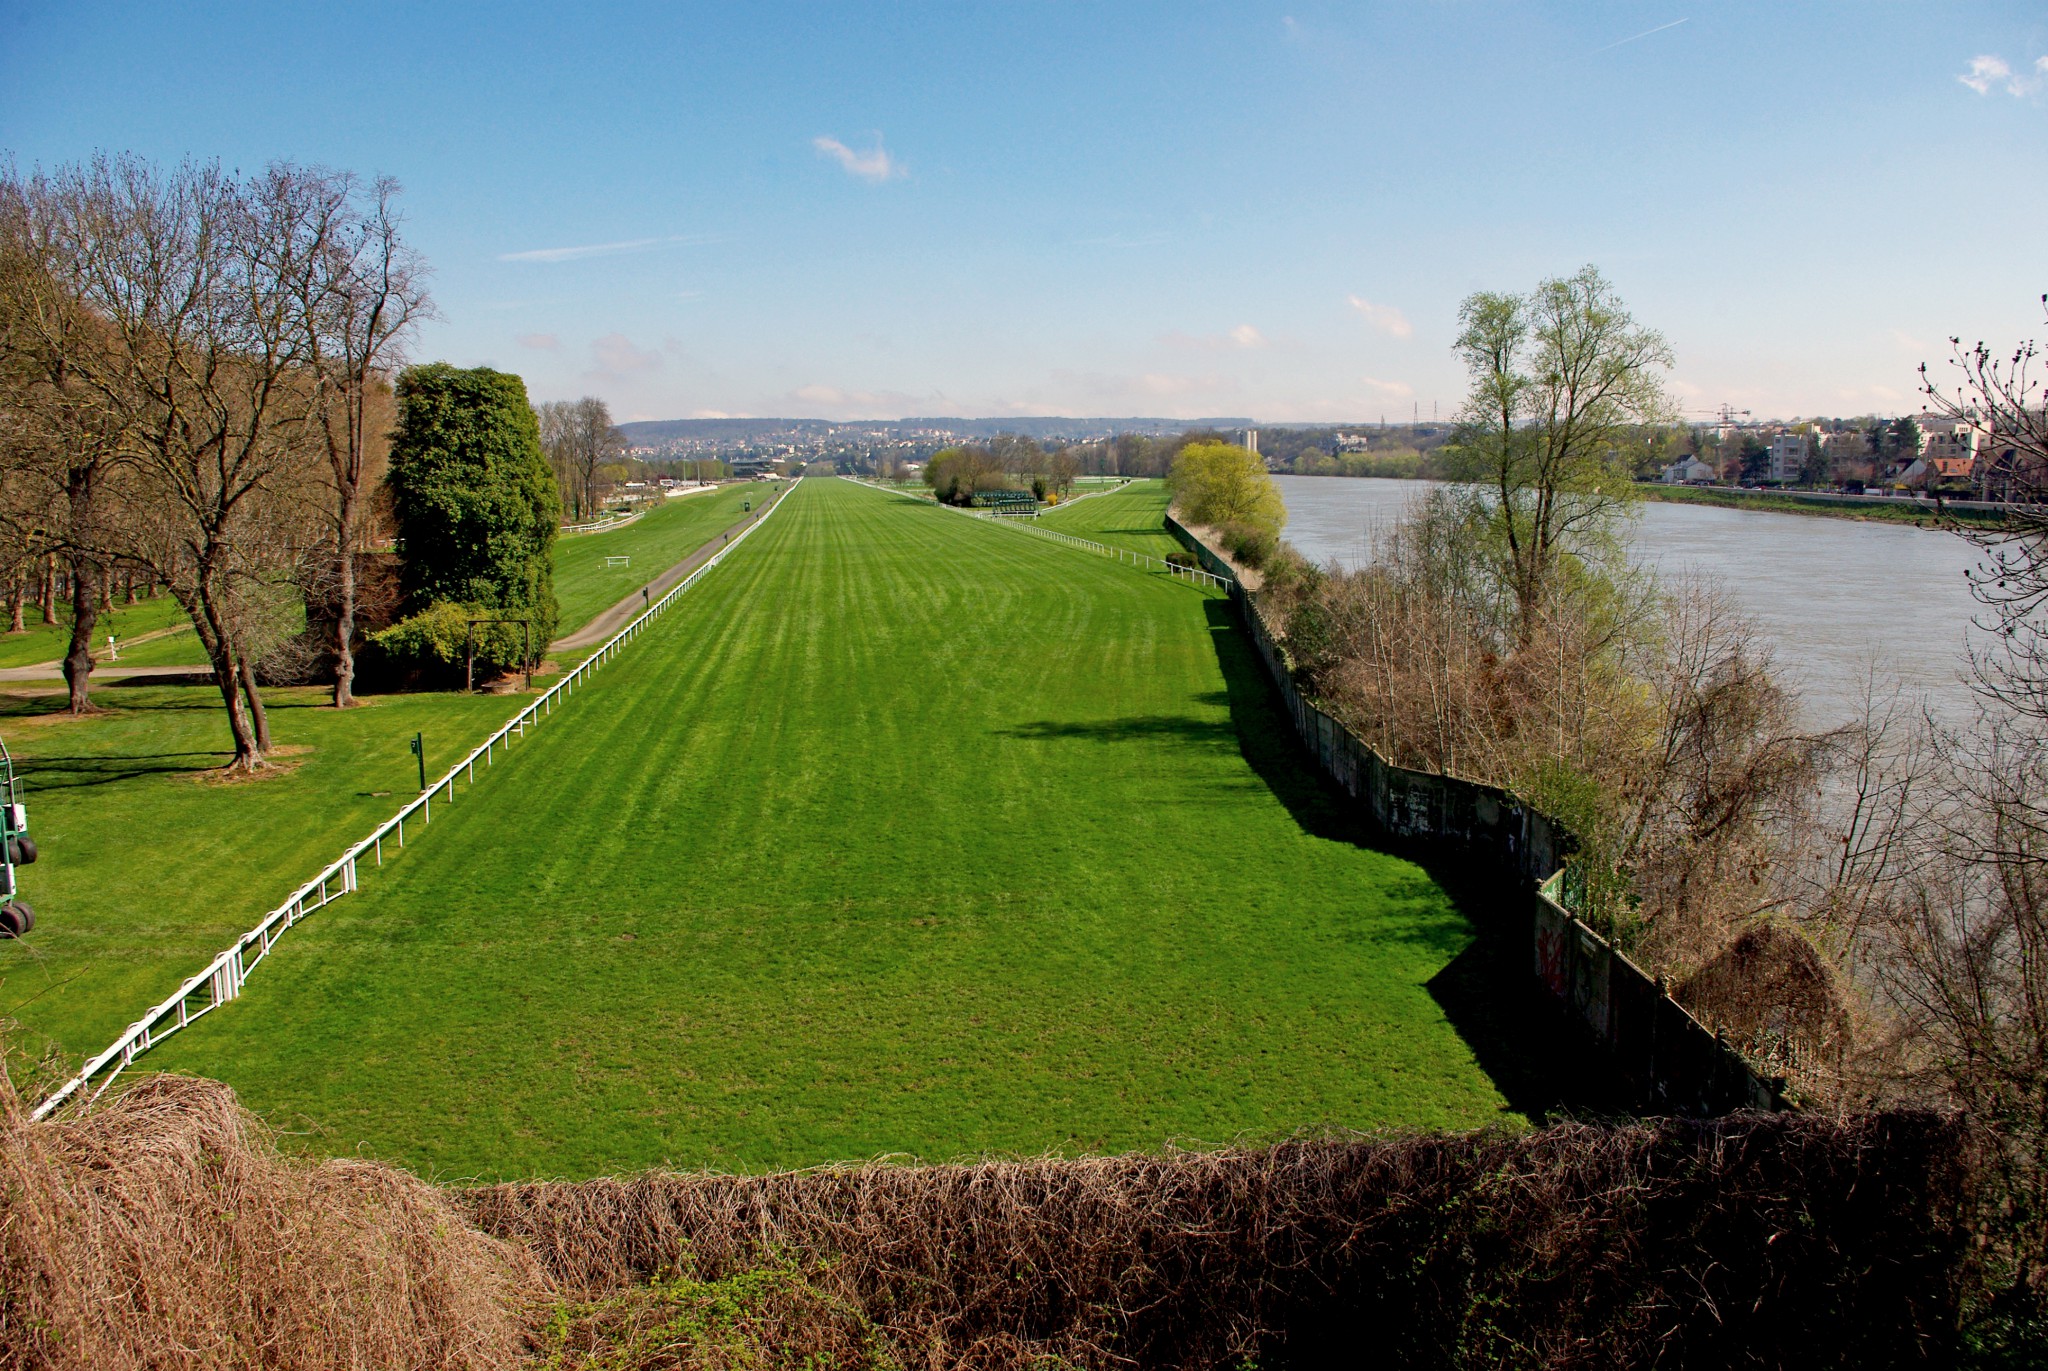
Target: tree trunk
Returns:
[[257, 712], [46, 594], [17, 598], [85, 616], [128, 586], [345, 619], [206, 622]]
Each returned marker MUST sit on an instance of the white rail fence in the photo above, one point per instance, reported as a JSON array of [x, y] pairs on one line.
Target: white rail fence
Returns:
[[221, 981], [1141, 560]]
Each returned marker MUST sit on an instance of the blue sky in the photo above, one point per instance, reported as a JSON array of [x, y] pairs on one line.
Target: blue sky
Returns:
[[854, 210]]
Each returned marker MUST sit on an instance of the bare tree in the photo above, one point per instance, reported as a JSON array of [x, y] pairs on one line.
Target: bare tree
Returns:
[[579, 439], [61, 435], [2006, 399], [359, 291], [206, 373]]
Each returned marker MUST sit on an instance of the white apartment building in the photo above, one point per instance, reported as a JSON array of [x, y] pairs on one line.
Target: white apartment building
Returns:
[[1789, 452]]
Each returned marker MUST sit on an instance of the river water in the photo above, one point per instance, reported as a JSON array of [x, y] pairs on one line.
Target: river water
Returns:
[[1838, 597]]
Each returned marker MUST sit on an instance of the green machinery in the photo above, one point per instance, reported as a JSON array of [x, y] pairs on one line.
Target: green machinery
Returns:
[[16, 849]]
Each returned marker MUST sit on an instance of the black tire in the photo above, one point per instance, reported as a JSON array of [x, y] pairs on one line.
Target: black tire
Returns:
[[16, 918], [21, 851]]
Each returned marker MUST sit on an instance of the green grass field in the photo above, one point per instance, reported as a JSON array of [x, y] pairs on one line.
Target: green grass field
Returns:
[[48, 642], [665, 535], [1134, 518], [902, 833], [150, 865]]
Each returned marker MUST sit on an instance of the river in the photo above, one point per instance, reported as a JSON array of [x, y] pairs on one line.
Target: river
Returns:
[[1837, 596]]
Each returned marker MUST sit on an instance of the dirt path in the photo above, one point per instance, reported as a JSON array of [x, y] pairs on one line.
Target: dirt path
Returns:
[[609, 622]]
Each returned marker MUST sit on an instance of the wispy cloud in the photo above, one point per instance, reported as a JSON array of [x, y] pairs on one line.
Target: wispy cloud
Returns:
[[545, 342], [875, 165], [1988, 71], [1385, 318], [1388, 390], [1636, 37], [1242, 338], [618, 357], [578, 253]]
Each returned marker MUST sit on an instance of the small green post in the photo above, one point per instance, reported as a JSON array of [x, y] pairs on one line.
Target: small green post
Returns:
[[419, 750]]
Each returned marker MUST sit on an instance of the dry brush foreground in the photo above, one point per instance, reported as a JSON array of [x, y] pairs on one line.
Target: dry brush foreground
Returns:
[[165, 1230]]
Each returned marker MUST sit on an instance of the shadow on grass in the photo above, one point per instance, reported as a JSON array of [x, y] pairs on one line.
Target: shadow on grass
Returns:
[[78, 773], [1488, 991], [1170, 726]]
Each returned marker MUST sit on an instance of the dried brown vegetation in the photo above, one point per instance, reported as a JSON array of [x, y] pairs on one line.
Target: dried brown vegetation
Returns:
[[164, 1230]]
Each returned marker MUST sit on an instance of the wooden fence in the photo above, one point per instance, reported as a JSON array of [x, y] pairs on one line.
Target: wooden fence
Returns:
[[221, 981], [1667, 1061]]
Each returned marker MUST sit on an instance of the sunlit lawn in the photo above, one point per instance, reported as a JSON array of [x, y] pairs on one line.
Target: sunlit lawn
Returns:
[[903, 833]]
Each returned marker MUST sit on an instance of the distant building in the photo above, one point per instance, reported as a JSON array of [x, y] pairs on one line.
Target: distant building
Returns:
[[1787, 458], [1687, 471], [1251, 440]]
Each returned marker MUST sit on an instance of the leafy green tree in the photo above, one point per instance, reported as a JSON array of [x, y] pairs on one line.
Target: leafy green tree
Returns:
[[475, 500], [1221, 483], [1560, 378]]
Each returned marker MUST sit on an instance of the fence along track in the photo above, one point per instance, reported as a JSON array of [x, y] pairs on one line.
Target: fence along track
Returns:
[[222, 979], [1027, 522]]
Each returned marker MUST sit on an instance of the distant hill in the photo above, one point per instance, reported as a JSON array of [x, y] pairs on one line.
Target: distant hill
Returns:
[[654, 432]]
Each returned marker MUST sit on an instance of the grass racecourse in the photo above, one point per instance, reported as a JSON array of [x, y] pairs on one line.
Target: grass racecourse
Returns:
[[904, 833], [1133, 518]]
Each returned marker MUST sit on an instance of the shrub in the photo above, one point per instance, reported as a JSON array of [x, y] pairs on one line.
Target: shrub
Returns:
[[436, 640], [1216, 483], [1248, 544]]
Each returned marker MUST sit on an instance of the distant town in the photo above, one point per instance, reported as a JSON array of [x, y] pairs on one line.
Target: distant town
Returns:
[[1932, 453]]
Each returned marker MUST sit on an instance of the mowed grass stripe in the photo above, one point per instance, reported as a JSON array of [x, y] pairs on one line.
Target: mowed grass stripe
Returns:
[[1133, 518], [902, 833]]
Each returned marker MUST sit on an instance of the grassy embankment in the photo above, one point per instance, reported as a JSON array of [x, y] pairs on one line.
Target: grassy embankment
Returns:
[[1915, 512], [1133, 518], [150, 864], [902, 833]]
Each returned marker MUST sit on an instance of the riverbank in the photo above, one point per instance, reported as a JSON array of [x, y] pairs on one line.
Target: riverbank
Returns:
[[1868, 508]]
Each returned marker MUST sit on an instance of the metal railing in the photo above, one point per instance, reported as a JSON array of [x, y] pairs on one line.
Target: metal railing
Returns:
[[1141, 560], [221, 980]]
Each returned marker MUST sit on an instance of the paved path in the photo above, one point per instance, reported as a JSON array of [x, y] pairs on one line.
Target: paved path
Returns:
[[608, 623]]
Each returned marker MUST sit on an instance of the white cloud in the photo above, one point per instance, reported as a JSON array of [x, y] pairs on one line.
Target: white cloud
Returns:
[[1243, 337], [577, 254], [1385, 318], [617, 357], [709, 414], [546, 342], [1388, 390], [1988, 70], [876, 166]]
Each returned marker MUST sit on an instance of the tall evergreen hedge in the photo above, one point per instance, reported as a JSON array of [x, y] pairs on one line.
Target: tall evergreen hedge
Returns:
[[475, 502]]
